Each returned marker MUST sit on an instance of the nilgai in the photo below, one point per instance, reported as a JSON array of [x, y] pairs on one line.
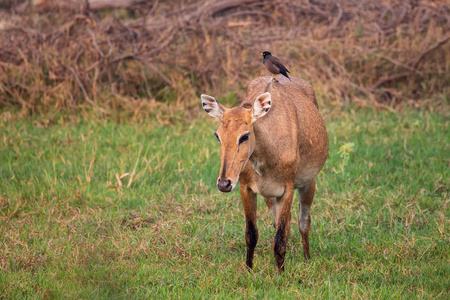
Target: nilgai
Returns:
[[273, 143]]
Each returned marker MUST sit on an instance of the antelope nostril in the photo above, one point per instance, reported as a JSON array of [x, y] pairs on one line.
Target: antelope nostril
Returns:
[[224, 185]]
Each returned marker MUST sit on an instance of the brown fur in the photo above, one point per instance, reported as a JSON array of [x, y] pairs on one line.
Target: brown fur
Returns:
[[286, 149]]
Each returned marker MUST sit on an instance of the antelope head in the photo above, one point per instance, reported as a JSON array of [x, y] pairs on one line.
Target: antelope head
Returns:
[[235, 135]]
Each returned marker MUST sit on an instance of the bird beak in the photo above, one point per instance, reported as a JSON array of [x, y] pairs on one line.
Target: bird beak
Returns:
[[262, 54]]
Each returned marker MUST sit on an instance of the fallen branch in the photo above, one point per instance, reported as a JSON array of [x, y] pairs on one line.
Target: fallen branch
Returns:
[[82, 5]]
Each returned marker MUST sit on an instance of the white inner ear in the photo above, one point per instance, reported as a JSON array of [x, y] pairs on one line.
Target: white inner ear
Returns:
[[211, 106], [261, 106]]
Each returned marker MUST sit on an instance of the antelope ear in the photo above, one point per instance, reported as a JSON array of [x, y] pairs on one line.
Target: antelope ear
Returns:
[[261, 106], [212, 106]]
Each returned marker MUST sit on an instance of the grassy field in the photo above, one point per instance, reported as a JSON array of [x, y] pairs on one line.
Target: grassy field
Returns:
[[99, 209]]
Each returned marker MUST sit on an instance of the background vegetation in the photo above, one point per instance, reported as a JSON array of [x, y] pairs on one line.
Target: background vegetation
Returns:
[[57, 56], [108, 167]]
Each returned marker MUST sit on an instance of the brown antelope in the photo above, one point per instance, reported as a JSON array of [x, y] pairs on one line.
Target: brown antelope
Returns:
[[279, 130]]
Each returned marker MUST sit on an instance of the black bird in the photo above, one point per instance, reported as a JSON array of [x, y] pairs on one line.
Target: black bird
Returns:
[[274, 65]]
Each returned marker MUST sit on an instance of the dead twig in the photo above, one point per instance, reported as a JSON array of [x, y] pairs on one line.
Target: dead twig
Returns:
[[335, 23], [422, 55], [88, 100]]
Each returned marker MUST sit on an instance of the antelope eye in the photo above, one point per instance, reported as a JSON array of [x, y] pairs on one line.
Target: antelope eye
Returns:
[[243, 138], [217, 136]]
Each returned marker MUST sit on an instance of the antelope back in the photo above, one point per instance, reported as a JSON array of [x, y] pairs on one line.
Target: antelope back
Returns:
[[291, 141]]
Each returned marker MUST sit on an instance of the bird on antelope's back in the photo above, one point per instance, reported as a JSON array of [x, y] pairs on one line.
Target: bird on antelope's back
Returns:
[[274, 65]]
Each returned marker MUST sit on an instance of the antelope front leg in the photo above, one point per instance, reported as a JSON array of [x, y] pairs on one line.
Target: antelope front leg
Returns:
[[251, 230], [283, 226]]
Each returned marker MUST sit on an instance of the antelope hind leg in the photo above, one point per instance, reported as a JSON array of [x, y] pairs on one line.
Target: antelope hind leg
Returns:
[[271, 203], [283, 225], [306, 197]]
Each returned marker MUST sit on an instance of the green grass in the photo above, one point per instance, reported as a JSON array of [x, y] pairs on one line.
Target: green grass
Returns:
[[96, 209]]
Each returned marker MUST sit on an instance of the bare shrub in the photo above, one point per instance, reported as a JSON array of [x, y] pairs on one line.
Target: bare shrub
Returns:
[[54, 57]]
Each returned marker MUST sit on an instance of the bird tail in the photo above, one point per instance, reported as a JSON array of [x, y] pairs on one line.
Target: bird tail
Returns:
[[286, 75]]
